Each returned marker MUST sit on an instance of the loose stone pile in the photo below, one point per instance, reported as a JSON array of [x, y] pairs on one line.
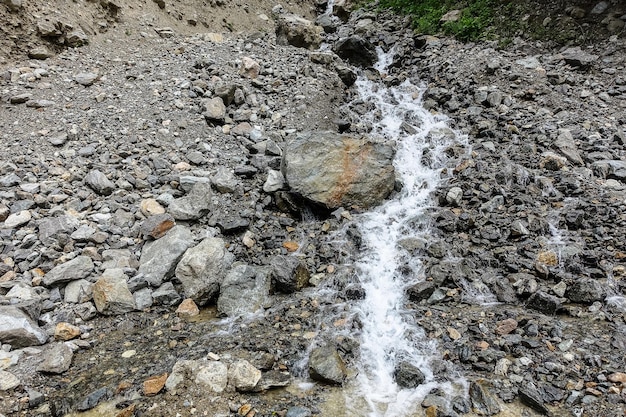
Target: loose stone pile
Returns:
[[177, 174]]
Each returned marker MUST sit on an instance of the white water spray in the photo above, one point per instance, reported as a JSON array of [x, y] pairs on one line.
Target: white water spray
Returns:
[[389, 334]]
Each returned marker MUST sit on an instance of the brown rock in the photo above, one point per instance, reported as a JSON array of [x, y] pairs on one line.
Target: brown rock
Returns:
[[187, 308], [66, 331], [548, 258], [291, 246], [618, 377], [156, 226], [506, 326], [154, 385]]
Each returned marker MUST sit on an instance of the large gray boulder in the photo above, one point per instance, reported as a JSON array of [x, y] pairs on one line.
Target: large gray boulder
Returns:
[[244, 290], [77, 268], [356, 50], [297, 31], [289, 274], [325, 365], [194, 205], [18, 330], [339, 170], [160, 257], [202, 269]]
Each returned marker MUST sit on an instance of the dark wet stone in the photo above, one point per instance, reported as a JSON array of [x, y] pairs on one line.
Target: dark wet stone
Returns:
[[325, 365], [289, 274], [483, 401], [543, 302], [93, 399], [421, 291], [408, 375], [585, 291], [531, 397], [298, 412], [232, 224]]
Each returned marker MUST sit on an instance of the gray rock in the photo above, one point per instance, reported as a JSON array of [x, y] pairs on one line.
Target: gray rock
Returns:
[[166, 295], [8, 381], [454, 196], [408, 375], [111, 294], [585, 290], [213, 375], [76, 38], [576, 57], [181, 371], [196, 204], [325, 365], [202, 269], [275, 181], [79, 291], [50, 227], [99, 182], [118, 258], [13, 5], [339, 170], [298, 412], [289, 273], [214, 110], [86, 78], [57, 359], [40, 52], [356, 50], [483, 402], [226, 91], [156, 226], [224, 180], [614, 169], [18, 330], [10, 180], [17, 219], [243, 376], [160, 257], [600, 8], [244, 290], [565, 144], [297, 31], [77, 268], [143, 298]]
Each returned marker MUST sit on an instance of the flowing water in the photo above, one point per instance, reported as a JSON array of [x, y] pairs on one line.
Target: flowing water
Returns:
[[388, 333]]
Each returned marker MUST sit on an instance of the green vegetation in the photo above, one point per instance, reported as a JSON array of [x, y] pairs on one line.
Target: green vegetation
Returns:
[[475, 17]]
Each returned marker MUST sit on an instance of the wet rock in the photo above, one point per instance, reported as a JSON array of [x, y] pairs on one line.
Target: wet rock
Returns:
[[202, 269], [356, 50], [408, 375], [585, 291], [99, 182], [298, 412], [243, 376], [196, 204], [8, 381], [297, 31], [339, 170], [18, 330], [483, 402], [325, 365], [421, 291], [244, 290], [57, 359], [160, 257], [543, 302], [111, 294], [93, 399], [289, 274], [529, 396], [214, 376]]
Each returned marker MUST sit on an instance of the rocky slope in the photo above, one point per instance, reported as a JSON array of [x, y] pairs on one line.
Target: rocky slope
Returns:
[[153, 166]]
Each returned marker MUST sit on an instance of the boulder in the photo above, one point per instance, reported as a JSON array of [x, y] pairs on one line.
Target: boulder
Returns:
[[243, 376], [565, 144], [160, 257], [356, 50], [57, 359], [585, 290], [213, 376], [244, 290], [111, 294], [297, 31], [202, 269], [408, 375], [77, 268], [339, 170], [325, 365], [18, 330], [289, 274]]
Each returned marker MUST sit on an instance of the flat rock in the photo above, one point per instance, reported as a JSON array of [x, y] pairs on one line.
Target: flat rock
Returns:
[[156, 226], [86, 78], [194, 205], [74, 269], [57, 359], [8, 381], [99, 182], [17, 219]]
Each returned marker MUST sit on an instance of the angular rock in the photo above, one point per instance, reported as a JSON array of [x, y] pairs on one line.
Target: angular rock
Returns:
[[214, 110], [196, 204], [18, 330], [565, 144], [8, 381], [156, 226], [202, 269], [17, 219], [249, 67], [356, 50], [483, 402], [213, 375], [166, 295], [154, 385], [576, 57], [408, 375], [244, 290], [289, 274], [74, 269], [243, 376], [585, 290], [614, 169], [187, 309], [51, 227], [40, 52], [111, 294], [160, 257], [99, 182], [543, 302], [275, 181], [297, 31], [86, 78], [325, 365], [339, 170], [66, 331], [57, 359], [76, 38], [224, 180]]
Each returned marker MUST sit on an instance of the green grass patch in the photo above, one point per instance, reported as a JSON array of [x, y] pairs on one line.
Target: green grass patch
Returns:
[[475, 18]]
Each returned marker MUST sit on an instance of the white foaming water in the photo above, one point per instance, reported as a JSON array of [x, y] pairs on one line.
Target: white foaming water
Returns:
[[389, 334]]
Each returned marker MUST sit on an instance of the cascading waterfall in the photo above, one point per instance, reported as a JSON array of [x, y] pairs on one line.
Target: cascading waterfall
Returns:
[[389, 335]]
